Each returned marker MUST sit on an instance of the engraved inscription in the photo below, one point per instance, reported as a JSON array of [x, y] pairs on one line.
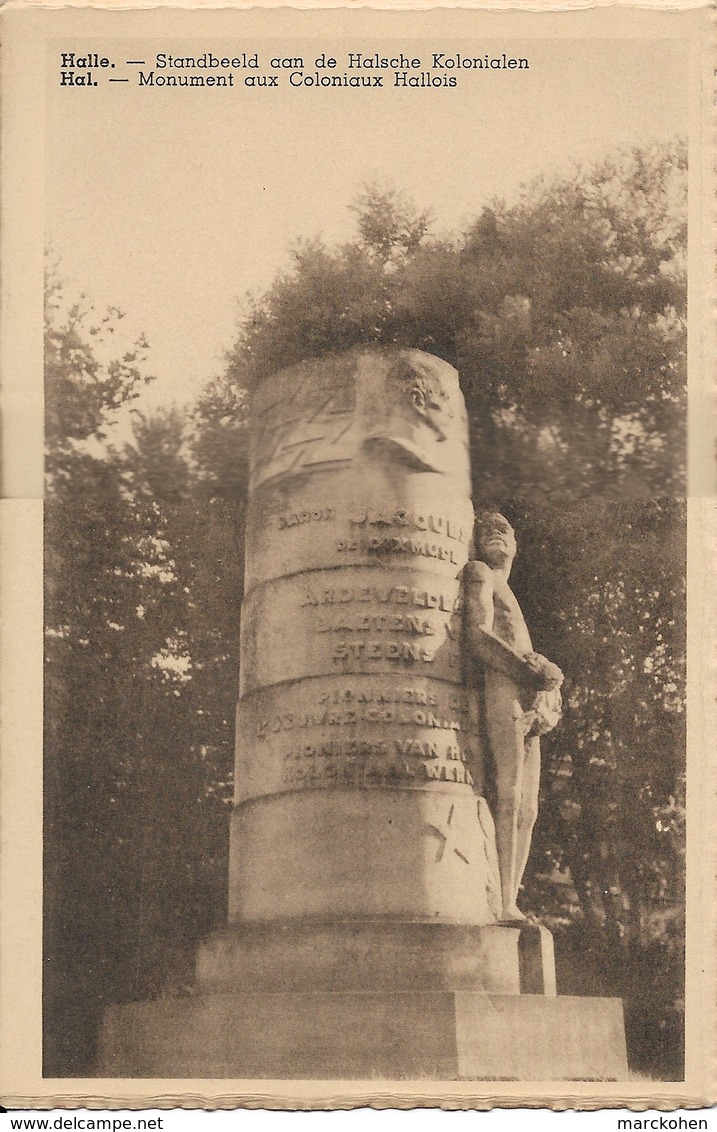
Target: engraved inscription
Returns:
[[414, 520], [375, 623], [440, 772], [348, 717], [380, 650], [397, 695], [297, 518], [392, 544], [399, 595], [362, 760], [384, 774], [347, 707], [360, 628], [405, 748]]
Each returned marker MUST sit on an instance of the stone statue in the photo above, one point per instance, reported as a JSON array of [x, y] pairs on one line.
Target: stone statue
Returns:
[[521, 697]]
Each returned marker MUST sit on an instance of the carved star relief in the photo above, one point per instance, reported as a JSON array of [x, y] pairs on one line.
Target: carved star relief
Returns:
[[447, 835]]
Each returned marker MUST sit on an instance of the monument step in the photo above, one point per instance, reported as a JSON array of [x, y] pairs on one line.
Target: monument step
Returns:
[[363, 1036], [376, 955]]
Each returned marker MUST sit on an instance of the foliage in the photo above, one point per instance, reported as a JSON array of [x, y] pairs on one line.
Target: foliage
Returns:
[[607, 867], [565, 317], [143, 579], [90, 373]]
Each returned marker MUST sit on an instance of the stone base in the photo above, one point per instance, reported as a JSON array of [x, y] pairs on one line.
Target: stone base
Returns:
[[364, 1035], [378, 955]]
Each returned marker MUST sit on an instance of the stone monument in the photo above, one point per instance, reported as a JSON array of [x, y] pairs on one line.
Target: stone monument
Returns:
[[367, 934]]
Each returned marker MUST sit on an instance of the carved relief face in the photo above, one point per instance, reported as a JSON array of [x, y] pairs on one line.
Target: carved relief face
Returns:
[[495, 541], [431, 404], [415, 415]]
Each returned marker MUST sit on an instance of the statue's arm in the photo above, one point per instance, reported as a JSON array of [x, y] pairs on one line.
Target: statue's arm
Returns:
[[529, 669], [481, 640]]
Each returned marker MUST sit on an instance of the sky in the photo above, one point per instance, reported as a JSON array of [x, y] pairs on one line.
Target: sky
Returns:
[[173, 204]]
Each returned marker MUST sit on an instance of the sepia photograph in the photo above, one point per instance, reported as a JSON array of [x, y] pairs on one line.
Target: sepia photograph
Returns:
[[367, 472]]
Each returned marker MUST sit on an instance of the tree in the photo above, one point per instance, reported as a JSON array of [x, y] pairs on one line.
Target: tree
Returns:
[[90, 374], [142, 581], [607, 868], [390, 230], [580, 298], [565, 315]]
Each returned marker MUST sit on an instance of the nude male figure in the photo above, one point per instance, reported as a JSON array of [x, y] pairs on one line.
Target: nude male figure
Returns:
[[521, 697]]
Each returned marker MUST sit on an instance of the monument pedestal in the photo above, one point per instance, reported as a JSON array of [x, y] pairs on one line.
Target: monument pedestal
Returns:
[[350, 1035], [365, 1000]]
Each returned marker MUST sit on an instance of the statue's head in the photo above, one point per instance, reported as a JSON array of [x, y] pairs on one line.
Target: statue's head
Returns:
[[426, 398], [415, 414], [494, 539]]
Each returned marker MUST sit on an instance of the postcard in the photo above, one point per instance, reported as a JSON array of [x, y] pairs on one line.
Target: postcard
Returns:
[[358, 508]]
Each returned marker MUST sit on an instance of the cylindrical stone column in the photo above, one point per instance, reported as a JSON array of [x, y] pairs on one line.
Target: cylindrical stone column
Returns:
[[358, 769]]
